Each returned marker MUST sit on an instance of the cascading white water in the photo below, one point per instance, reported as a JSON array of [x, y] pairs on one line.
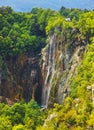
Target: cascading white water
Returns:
[[59, 65], [50, 71]]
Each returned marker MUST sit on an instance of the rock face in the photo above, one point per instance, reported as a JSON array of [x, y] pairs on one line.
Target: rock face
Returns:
[[20, 78], [60, 59], [23, 78]]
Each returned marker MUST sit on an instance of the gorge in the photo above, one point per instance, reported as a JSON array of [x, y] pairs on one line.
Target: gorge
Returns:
[[46, 69], [48, 81]]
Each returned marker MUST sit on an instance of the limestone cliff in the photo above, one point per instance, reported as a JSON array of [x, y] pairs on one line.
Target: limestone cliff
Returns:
[[20, 78], [60, 58], [23, 77]]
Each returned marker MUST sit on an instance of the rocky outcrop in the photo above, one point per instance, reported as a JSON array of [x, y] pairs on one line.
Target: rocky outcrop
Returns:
[[60, 59], [20, 78]]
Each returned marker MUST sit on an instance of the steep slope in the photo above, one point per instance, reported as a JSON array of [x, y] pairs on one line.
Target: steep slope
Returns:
[[62, 72], [60, 61], [77, 110], [21, 79], [63, 55]]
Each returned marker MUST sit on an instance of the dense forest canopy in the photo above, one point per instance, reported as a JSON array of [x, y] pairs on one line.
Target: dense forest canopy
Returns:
[[21, 32], [26, 32]]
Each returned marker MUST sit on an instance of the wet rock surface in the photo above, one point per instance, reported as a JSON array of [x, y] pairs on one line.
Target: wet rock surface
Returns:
[[20, 78], [60, 61]]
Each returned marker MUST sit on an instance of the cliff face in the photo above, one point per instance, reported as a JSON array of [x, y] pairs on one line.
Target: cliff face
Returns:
[[20, 78], [23, 78], [60, 61]]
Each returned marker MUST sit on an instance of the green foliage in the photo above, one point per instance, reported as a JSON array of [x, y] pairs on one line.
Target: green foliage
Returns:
[[22, 32], [26, 32], [54, 23], [5, 123], [86, 25], [84, 78], [18, 127], [72, 13], [21, 116]]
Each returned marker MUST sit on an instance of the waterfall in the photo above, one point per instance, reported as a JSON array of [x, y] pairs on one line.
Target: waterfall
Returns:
[[50, 71]]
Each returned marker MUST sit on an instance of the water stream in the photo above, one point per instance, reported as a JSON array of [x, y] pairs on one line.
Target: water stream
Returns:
[[50, 72]]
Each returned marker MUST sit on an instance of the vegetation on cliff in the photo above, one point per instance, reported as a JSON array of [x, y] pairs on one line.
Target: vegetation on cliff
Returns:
[[25, 32], [77, 111]]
